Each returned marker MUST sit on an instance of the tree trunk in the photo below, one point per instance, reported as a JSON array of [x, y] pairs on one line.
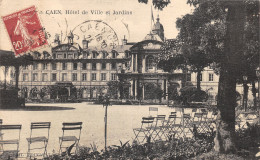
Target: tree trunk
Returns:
[[17, 72], [254, 93], [198, 79], [245, 88], [230, 69], [5, 72]]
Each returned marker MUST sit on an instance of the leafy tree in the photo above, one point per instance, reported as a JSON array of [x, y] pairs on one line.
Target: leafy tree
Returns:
[[228, 18], [113, 88]]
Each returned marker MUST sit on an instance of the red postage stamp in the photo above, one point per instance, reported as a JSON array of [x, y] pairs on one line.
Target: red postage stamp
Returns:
[[25, 30]]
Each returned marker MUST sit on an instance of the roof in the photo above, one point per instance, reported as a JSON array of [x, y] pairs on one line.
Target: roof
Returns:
[[155, 44], [152, 36]]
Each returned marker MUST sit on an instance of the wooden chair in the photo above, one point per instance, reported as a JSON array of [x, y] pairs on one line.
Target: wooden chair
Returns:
[[11, 129], [144, 131], [39, 139], [70, 126]]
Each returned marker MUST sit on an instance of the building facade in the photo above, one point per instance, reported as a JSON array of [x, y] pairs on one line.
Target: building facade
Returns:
[[73, 70]]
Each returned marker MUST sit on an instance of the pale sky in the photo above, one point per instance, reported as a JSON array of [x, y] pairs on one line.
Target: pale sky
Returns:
[[139, 22]]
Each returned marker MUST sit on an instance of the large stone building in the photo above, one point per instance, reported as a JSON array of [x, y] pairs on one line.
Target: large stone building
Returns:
[[72, 70]]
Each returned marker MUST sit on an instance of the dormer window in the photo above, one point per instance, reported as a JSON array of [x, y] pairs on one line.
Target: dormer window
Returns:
[[114, 54], [104, 54], [94, 54]]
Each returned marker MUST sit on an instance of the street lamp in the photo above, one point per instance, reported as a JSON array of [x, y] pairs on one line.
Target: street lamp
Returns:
[[258, 77], [245, 92]]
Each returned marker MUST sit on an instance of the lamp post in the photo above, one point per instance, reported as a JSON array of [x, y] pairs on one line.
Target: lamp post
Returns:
[[245, 92], [258, 77], [106, 103]]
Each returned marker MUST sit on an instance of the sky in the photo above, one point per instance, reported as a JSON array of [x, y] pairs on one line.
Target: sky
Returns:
[[134, 26]]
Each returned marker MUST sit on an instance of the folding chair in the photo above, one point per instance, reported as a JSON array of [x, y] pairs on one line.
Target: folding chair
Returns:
[[70, 126], [187, 124], [153, 109], [173, 126], [144, 131], [157, 129], [6, 128], [39, 139]]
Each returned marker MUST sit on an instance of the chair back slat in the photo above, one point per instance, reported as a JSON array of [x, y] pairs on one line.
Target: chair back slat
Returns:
[[153, 109], [72, 126], [186, 116], [7, 127], [147, 119], [161, 117], [40, 125], [71, 123], [173, 113]]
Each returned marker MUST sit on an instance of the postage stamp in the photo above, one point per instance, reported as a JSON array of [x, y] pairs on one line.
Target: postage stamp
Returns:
[[25, 30]]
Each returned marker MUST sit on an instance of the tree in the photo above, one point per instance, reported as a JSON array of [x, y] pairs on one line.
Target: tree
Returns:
[[231, 17], [113, 88]]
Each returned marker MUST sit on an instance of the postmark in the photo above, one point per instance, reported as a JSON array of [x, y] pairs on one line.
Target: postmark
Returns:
[[25, 30], [97, 33]]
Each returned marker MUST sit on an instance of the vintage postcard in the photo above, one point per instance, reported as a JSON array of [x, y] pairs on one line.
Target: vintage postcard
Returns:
[[129, 79]]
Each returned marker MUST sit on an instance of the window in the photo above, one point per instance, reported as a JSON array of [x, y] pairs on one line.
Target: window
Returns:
[[200, 77], [74, 76], [94, 76], [211, 77], [35, 66], [84, 66], [54, 77], [70, 56], [54, 66], [103, 76], [44, 66], [94, 54], [25, 77], [104, 55], [150, 62], [84, 76], [64, 77], [104, 66], [94, 66], [113, 76], [188, 77], [25, 67], [113, 65], [75, 66], [35, 77], [44, 77], [65, 56], [54, 56], [114, 54], [64, 66]]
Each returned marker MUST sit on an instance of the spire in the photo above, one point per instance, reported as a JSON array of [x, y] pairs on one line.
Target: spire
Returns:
[[158, 19]]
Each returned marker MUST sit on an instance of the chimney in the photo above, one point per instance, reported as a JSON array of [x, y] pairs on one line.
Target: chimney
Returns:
[[57, 39], [85, 43], [124, 41]]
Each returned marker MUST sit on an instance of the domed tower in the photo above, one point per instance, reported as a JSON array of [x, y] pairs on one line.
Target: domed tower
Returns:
[[158, 29]]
